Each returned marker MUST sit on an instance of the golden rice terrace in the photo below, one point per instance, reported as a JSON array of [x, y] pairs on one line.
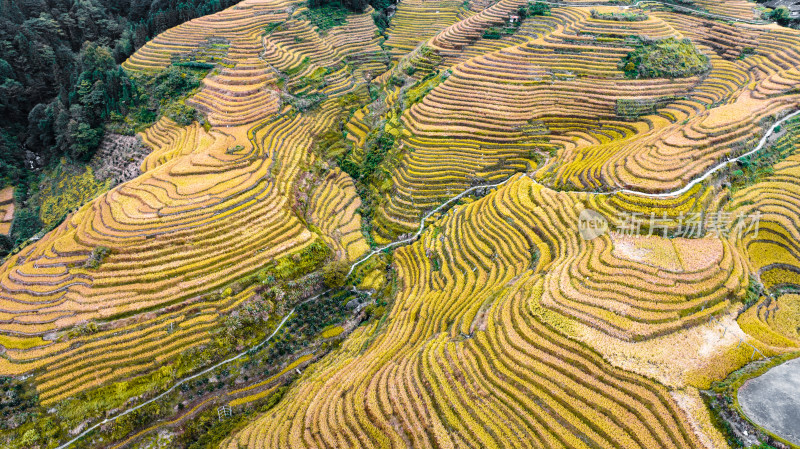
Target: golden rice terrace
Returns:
[[440, 224]]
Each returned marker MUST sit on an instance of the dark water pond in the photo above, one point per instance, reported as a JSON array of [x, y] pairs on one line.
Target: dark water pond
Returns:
[[772, 400]]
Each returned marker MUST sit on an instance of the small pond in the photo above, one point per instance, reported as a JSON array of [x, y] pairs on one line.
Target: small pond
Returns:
[[772, 400]]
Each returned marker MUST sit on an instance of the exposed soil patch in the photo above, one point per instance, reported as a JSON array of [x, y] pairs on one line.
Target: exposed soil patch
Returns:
[[697, 414], [670, 359], [118, 158], [6, 209]]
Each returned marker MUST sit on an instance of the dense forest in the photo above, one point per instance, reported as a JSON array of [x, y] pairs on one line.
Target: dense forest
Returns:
[[59, 73]]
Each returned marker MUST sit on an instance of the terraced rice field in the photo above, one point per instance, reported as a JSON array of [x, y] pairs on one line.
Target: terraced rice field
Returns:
[[464, 360], [488, 133], [503, 325], [334, 210], [417, 21], [212, 207], [772, 251]]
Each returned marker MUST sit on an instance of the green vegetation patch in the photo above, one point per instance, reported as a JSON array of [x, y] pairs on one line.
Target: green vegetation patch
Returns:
[[327, 15], [723, 404], [781, 14], [292, 71], [510, 27], [295, 265], [381, 20], [160, 94], [417, 92], [632, 108], [620, 16], [97, 257], [204, 57], [313, 80], [664, 58], [379, 142], [274, 26], [754, 292], [747, 51], [759, 165], [65, 189], [167, 90], [18, 399], [335, 273], [497, 32], [534, 9]]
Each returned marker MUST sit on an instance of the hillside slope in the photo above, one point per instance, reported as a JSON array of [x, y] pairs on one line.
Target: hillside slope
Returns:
[[502, 325]]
